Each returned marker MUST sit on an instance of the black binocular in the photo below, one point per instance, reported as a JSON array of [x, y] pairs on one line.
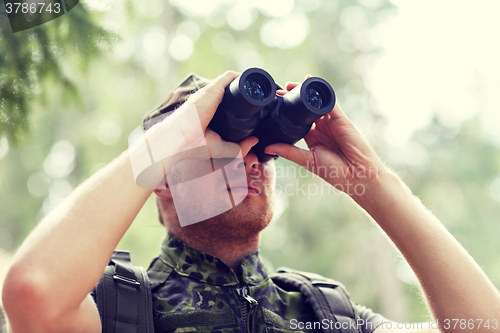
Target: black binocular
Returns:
[[251, 107]]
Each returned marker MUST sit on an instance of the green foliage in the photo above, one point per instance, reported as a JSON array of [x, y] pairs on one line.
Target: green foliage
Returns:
[[31, 58]]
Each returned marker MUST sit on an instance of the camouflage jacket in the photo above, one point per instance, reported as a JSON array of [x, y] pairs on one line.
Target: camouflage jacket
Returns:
[[196, 292]]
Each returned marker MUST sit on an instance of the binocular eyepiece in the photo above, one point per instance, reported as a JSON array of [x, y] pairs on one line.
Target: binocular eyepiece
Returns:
[[251, 107]]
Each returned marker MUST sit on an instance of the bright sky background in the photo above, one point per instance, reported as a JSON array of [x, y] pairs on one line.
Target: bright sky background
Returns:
[[443, 57]]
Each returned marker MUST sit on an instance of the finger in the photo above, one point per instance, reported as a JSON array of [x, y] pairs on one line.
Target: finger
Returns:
[[215, 86], [337, 112], [211, 136], [295, 154], [224, 149], [209, 97], [247, 144], [225, 79], [290, 85]]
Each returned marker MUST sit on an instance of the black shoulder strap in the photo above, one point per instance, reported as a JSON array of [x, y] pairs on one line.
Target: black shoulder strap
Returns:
[[158, 272], [123, 297], [328, 298]]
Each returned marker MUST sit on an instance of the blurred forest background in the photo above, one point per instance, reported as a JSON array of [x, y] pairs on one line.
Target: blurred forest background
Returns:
[[73, 89]]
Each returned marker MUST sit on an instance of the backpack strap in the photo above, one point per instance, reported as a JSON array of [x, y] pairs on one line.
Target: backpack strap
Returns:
[[123, 297], [328, 298]]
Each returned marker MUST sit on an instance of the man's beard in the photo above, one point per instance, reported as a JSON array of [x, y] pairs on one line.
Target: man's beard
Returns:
[[240, 223]]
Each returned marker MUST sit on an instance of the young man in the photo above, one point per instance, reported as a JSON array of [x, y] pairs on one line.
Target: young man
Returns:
[[204, 267]]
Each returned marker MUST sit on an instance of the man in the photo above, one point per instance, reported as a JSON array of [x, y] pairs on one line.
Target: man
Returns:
[[47, 288]]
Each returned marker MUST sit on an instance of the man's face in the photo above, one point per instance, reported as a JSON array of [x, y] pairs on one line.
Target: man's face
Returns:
[[235, 196]]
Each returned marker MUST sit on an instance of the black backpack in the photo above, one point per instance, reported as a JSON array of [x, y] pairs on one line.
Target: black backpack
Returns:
[[123, 297]]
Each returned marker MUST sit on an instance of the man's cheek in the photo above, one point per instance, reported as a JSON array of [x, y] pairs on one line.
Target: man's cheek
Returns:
[[267, 171], [270, 178]]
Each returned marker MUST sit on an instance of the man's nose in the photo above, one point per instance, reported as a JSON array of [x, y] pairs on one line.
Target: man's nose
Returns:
[[250, 162]]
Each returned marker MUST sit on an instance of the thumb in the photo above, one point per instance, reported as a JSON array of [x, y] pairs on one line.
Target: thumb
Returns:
[[247, 144], [292, 153]]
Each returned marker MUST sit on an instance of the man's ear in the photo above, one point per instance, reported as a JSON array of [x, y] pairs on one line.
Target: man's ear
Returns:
[[164, 193]]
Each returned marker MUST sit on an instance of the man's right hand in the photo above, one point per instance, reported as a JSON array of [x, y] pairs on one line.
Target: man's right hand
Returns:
[[206, 101], [184, 134]]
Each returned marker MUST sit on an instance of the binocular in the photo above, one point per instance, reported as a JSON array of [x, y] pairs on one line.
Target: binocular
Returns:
[[251, 107]]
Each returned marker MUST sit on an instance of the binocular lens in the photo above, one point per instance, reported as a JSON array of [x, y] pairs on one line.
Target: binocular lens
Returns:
[[315, 98], [255, 89]]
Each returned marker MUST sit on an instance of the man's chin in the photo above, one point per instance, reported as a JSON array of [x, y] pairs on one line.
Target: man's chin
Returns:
[[241, 222]]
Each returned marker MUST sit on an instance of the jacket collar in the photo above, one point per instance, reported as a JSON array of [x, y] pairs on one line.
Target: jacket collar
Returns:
[[190, 262]]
